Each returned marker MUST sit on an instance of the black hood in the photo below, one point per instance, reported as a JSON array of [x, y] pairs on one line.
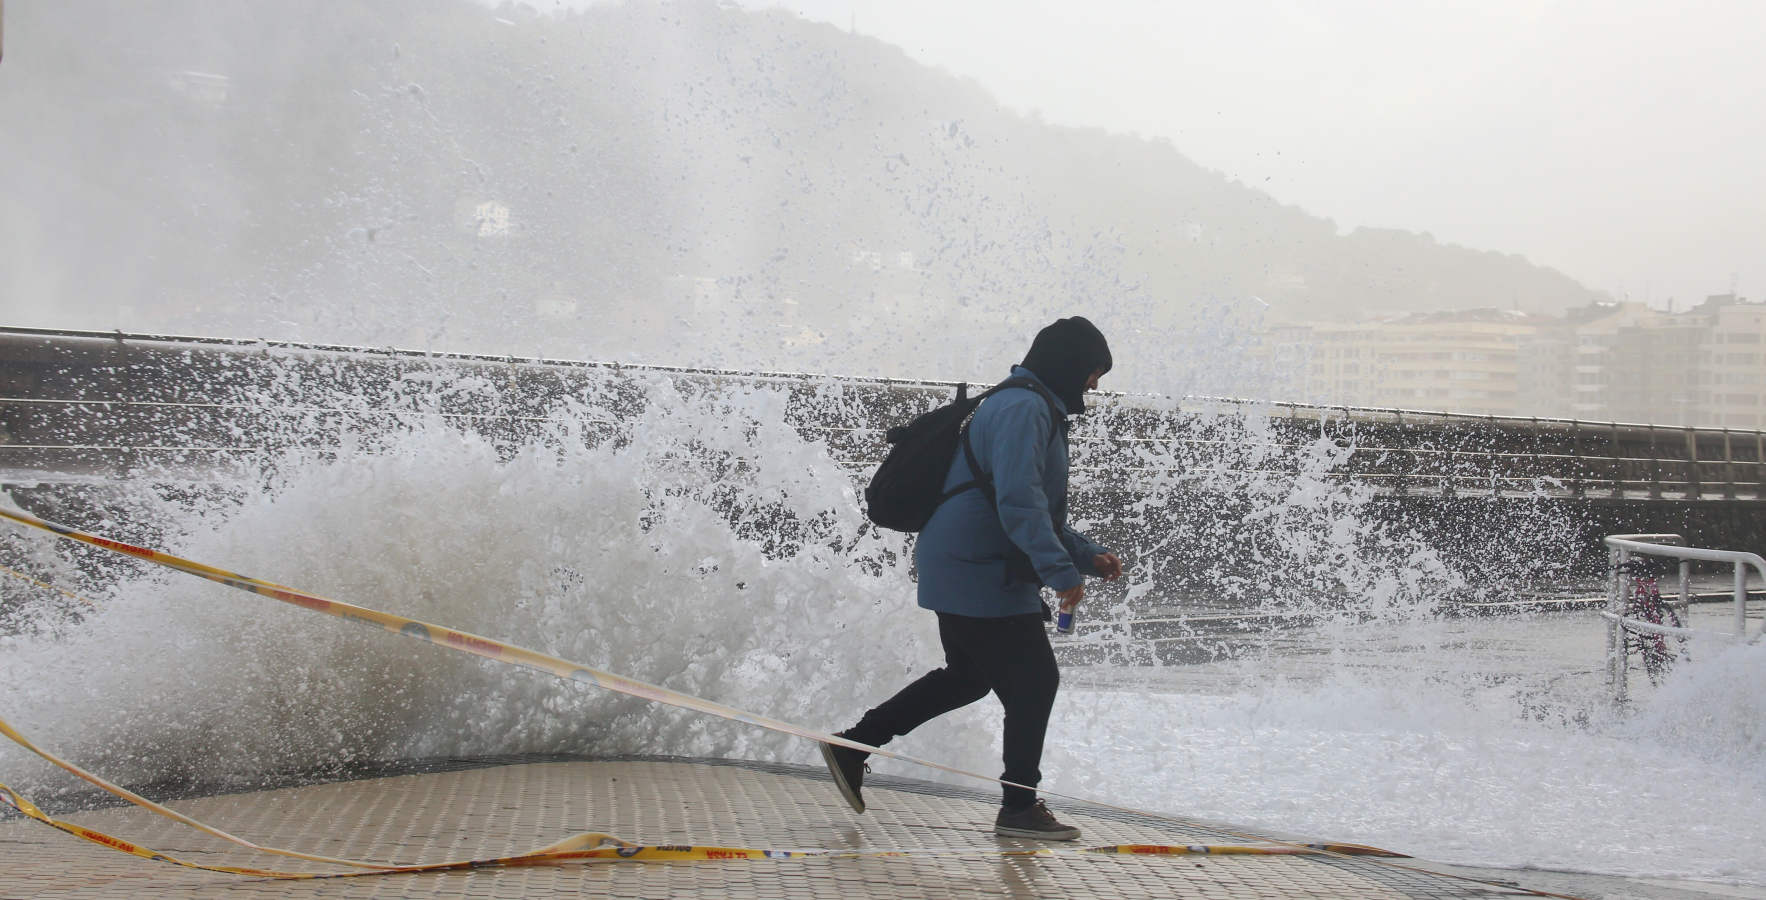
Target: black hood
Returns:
[[1064, 355]]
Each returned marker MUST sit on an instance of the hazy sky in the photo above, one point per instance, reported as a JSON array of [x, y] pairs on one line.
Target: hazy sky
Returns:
[[1619, 141]]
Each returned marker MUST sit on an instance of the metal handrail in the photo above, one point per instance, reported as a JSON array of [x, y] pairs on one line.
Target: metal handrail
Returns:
[[1620, 549], [1296, 410], [1507, 456]]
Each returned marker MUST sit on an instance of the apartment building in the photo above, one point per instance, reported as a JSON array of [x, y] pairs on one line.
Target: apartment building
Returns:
[[1615, 361], [1466, 361], [1729, 370], [1607, 350]]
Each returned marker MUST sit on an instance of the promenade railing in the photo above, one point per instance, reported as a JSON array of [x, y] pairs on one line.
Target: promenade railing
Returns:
[[76, 403], [1623, 551]]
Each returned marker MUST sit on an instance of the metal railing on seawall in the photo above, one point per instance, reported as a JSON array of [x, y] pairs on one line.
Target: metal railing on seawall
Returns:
[[1621, 592], [110, 404]]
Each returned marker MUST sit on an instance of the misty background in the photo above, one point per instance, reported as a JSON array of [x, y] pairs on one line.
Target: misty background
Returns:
[[898, 189], [1614, 140]]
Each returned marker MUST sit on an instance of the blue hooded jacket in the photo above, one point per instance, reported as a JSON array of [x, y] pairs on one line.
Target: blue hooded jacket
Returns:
[[962, 551]]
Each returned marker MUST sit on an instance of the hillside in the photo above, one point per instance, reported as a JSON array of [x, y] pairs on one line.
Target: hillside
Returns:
[[680, 182]]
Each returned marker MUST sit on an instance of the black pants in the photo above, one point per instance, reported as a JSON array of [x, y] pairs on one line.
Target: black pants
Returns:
[[1009, 656]]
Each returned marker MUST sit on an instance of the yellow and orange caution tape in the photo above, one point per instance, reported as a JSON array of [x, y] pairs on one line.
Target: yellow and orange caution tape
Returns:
[[491, 648], [45, 585], [601, 847], [583, 847]]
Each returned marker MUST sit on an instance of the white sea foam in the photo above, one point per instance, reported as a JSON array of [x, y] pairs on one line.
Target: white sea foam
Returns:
[[1436, 768], [597, 555], [708, 547]]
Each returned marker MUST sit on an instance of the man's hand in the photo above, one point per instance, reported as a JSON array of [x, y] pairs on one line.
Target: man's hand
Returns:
[[1071, 596], [1107, 565]]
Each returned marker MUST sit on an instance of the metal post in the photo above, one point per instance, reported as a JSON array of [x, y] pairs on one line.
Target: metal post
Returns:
[[1686, 592], [1490, 465], [1695, 486], [1616, 587], [1728, 466], [123, 410], [1579, 467], [1741, 600], [1655, 466]]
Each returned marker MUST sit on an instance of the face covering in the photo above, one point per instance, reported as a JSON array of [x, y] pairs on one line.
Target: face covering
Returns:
[[1064, 355]]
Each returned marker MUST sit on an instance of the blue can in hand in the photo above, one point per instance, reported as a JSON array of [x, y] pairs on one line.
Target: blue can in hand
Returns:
[[1064, 621]]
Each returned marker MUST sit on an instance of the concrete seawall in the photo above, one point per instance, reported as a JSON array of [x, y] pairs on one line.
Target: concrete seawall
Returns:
[[81, 408]]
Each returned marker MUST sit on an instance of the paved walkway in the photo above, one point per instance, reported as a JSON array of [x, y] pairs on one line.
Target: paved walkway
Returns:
[[503, 809]]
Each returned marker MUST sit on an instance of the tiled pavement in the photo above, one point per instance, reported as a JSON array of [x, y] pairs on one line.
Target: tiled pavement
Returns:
[[499, 810]]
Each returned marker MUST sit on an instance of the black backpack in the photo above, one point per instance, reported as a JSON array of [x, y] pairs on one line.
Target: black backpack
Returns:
[[909, 485]]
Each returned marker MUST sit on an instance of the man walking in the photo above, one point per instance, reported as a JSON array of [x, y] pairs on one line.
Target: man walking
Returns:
[[983, 559]]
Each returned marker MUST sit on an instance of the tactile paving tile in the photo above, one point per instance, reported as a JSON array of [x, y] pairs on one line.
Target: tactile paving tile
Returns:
[[500, 810]]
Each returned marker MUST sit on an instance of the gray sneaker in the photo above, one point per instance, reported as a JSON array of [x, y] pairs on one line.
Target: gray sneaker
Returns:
[[848, 768], [1034, 822]]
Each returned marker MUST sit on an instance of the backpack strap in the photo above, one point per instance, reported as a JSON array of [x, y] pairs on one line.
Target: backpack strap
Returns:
[[1018, 564], [981, 480]]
